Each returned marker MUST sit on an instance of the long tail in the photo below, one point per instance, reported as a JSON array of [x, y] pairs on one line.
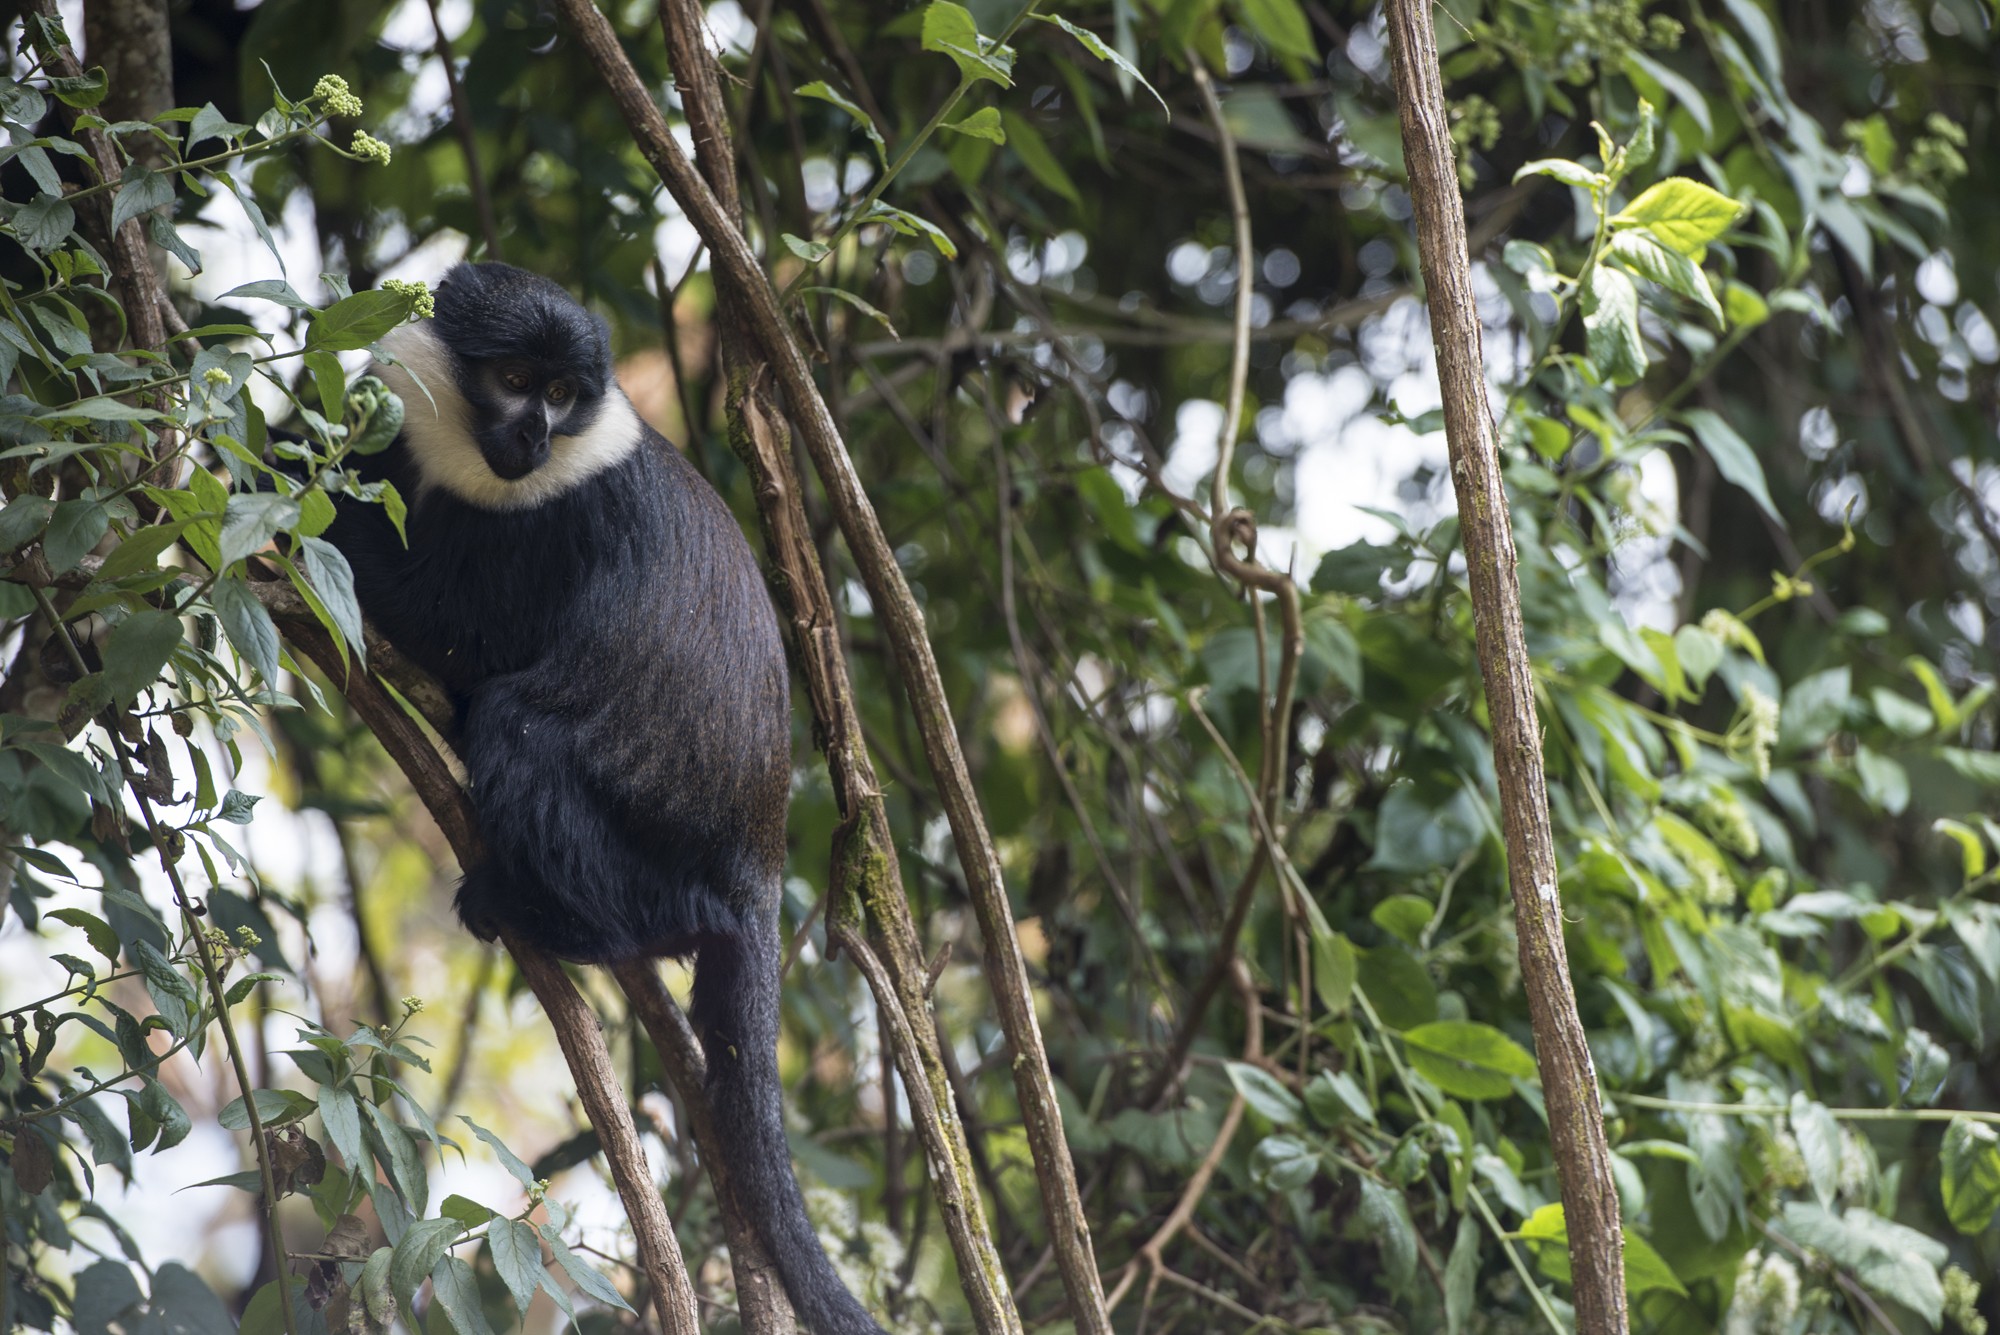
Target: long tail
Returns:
[[736, 1011]]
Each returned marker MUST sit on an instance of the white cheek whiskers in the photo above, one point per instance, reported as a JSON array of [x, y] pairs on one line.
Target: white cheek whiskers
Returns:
[[438, 430]]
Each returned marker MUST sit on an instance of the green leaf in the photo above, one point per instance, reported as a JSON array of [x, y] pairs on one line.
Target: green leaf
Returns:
[[270, 289], [1561, 169], [456, 1290], [1818, 1137], [1262, 1091], [1097, 47], [74, 528], [356, 321], [97, 931], [341, 1116], [333, 580], [236, 806], [517, 1255], [1971, 848], [1283, 1163], [82, 91], [173, 996], [820, 90], [23, 520], [812, 252], [1033, 151], [137, 649], [1642, 254], [1734, 458], [45, 223], [275, 1107], [208, 123], [1461, 1276], [1468, 1060], [1905, 718], [251, 520], [982, 124], [1971, 1175], [330, 379], [508, 1159], [1281, 24], [582, 1273], [1814, 708], [140, 553], [1334, 970], [248, 626], [950, 30], [424, 1242], [161, 229], [143, 191], [858, 304], [377, 1297], [1684, 215], [1893, 1260], [909, 224], [1611, 322], [1385, 1215], [1333, 1095], [397, 1152], [1397, 985]]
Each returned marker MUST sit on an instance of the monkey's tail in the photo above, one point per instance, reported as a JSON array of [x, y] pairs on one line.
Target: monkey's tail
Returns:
[[736, 1011]]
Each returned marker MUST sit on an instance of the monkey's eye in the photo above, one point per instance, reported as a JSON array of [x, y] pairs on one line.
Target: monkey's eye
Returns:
[[558, 392], [516, 379]]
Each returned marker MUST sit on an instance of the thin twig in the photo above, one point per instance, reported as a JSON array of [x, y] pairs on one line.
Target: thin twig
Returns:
[[468, 141]]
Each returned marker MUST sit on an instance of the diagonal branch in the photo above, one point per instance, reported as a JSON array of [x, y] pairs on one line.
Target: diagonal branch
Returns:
[[1569, 1080], [1006, 972], [865, 872]]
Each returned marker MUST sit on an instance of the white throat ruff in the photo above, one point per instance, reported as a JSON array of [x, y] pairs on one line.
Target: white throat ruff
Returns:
[[437, 427]]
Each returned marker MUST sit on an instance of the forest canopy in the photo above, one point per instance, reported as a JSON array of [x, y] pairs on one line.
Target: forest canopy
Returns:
[[1151, 955]]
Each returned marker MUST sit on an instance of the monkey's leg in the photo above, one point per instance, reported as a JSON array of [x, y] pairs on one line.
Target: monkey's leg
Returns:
[[558, 870]]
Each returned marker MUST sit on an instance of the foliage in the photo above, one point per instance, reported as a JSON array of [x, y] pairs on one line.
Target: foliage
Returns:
[[1739, 299]]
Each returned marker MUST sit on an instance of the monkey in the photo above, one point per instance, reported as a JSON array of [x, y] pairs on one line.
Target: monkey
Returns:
[[622, 702]]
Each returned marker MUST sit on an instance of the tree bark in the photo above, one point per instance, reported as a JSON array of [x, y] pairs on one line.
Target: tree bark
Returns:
[[866, 873], [1569, 1080], [903, 623]]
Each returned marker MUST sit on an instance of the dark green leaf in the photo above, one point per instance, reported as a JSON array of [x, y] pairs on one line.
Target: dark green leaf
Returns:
[[1467, 1059], [357, 321], [248, 625], [137, 650]]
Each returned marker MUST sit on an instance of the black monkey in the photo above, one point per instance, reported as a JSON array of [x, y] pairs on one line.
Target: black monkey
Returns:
[[623, 705]]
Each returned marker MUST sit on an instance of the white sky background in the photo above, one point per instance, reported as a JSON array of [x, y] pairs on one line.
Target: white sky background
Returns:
[[1346, 460]]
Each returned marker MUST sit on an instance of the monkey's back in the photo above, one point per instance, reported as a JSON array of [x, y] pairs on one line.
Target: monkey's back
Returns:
[[625, 711]]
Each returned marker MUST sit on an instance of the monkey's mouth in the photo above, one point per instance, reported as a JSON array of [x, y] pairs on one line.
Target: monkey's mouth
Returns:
[[516, 468]]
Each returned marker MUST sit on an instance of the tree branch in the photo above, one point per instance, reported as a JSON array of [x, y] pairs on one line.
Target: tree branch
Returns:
[[1569, 1080], [756, 303]]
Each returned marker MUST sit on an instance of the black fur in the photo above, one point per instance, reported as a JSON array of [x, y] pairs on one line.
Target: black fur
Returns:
[[624, 716]]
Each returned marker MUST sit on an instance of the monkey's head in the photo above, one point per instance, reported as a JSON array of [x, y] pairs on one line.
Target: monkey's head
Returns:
[[532, 363], [521, 377]]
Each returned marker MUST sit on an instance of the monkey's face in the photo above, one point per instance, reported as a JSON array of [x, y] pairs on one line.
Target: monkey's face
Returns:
[[520, 407]]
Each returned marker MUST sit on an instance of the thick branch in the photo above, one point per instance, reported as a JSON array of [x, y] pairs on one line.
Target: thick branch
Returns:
[[131, 264], [865, 872], [903, 621], [1569, 1080]]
